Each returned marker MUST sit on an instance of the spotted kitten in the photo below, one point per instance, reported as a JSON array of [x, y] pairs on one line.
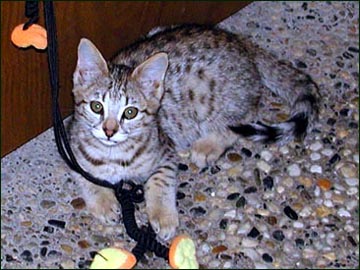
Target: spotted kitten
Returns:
[[178, 88]]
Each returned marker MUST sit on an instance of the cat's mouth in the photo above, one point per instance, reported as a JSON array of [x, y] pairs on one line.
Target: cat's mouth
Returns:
[[116, 139], [109, 142], [112, 141]]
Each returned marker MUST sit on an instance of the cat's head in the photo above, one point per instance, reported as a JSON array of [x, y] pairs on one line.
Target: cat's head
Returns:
[[116, 102]]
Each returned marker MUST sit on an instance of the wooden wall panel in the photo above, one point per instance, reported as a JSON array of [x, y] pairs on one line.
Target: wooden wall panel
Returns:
[[25, 90]]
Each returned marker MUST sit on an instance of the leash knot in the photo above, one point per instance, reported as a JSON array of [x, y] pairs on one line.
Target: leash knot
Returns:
[[31, 12], [133, 191]]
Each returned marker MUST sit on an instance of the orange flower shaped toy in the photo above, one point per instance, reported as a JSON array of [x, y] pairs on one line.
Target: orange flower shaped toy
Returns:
[[34, 36], [182, 255]]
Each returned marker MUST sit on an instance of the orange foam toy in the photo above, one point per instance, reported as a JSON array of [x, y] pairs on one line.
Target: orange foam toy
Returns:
[[182, 253], [35, 36]]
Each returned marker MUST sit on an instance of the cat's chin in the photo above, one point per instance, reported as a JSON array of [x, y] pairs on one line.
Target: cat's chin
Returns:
[[109, 142]]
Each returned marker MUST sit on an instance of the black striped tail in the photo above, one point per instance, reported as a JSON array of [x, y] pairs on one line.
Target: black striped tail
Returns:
[[295, 127]]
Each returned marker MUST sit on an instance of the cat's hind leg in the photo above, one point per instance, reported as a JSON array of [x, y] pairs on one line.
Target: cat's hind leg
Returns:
[[208, 149]]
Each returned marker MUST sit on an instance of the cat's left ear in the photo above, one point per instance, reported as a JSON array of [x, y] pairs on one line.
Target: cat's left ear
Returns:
[[150, 77]]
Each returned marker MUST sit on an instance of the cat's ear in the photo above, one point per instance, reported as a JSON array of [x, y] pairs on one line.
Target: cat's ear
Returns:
[[90, 64], [150, 75]]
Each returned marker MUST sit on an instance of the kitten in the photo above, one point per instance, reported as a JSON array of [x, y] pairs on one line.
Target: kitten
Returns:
[[185, 87]]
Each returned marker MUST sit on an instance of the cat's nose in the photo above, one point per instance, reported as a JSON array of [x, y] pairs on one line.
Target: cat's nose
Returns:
[[110, 127], [109, 132]]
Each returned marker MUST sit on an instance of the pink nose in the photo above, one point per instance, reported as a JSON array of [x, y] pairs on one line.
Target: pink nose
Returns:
[[110, 127], [109, 132]]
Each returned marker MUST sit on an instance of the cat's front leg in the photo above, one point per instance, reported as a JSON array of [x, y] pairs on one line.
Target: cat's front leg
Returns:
[[100, 201], [160, 197]]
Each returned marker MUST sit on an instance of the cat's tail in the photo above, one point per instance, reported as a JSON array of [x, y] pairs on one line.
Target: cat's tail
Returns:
[[290, 84]]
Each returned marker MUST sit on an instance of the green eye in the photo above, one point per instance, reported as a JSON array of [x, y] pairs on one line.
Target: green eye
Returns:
[[96, 107], [130, 113]]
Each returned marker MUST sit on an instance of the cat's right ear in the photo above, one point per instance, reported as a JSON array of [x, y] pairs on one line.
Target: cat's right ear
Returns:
[[149, 76], [90, 64]]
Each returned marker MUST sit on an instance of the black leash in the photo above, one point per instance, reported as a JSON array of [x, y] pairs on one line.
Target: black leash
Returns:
[[31, 12], [145, 237], [61, 138]]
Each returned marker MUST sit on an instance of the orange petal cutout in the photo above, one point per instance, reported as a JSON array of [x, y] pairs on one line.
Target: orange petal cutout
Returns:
[[35, 36]]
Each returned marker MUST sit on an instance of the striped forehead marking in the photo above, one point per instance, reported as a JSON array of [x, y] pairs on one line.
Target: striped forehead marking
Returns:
[[116, 89], [118, 82]]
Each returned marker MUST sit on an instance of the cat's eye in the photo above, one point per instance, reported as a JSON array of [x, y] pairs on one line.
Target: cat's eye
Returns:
[[96, 107], [130, 113]]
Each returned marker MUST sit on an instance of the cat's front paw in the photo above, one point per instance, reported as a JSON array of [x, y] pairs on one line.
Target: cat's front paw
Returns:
[[164, 220], [104, 206]]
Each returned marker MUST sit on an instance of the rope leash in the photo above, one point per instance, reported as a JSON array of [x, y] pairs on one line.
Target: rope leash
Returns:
[[31, 12], [145, 236]]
